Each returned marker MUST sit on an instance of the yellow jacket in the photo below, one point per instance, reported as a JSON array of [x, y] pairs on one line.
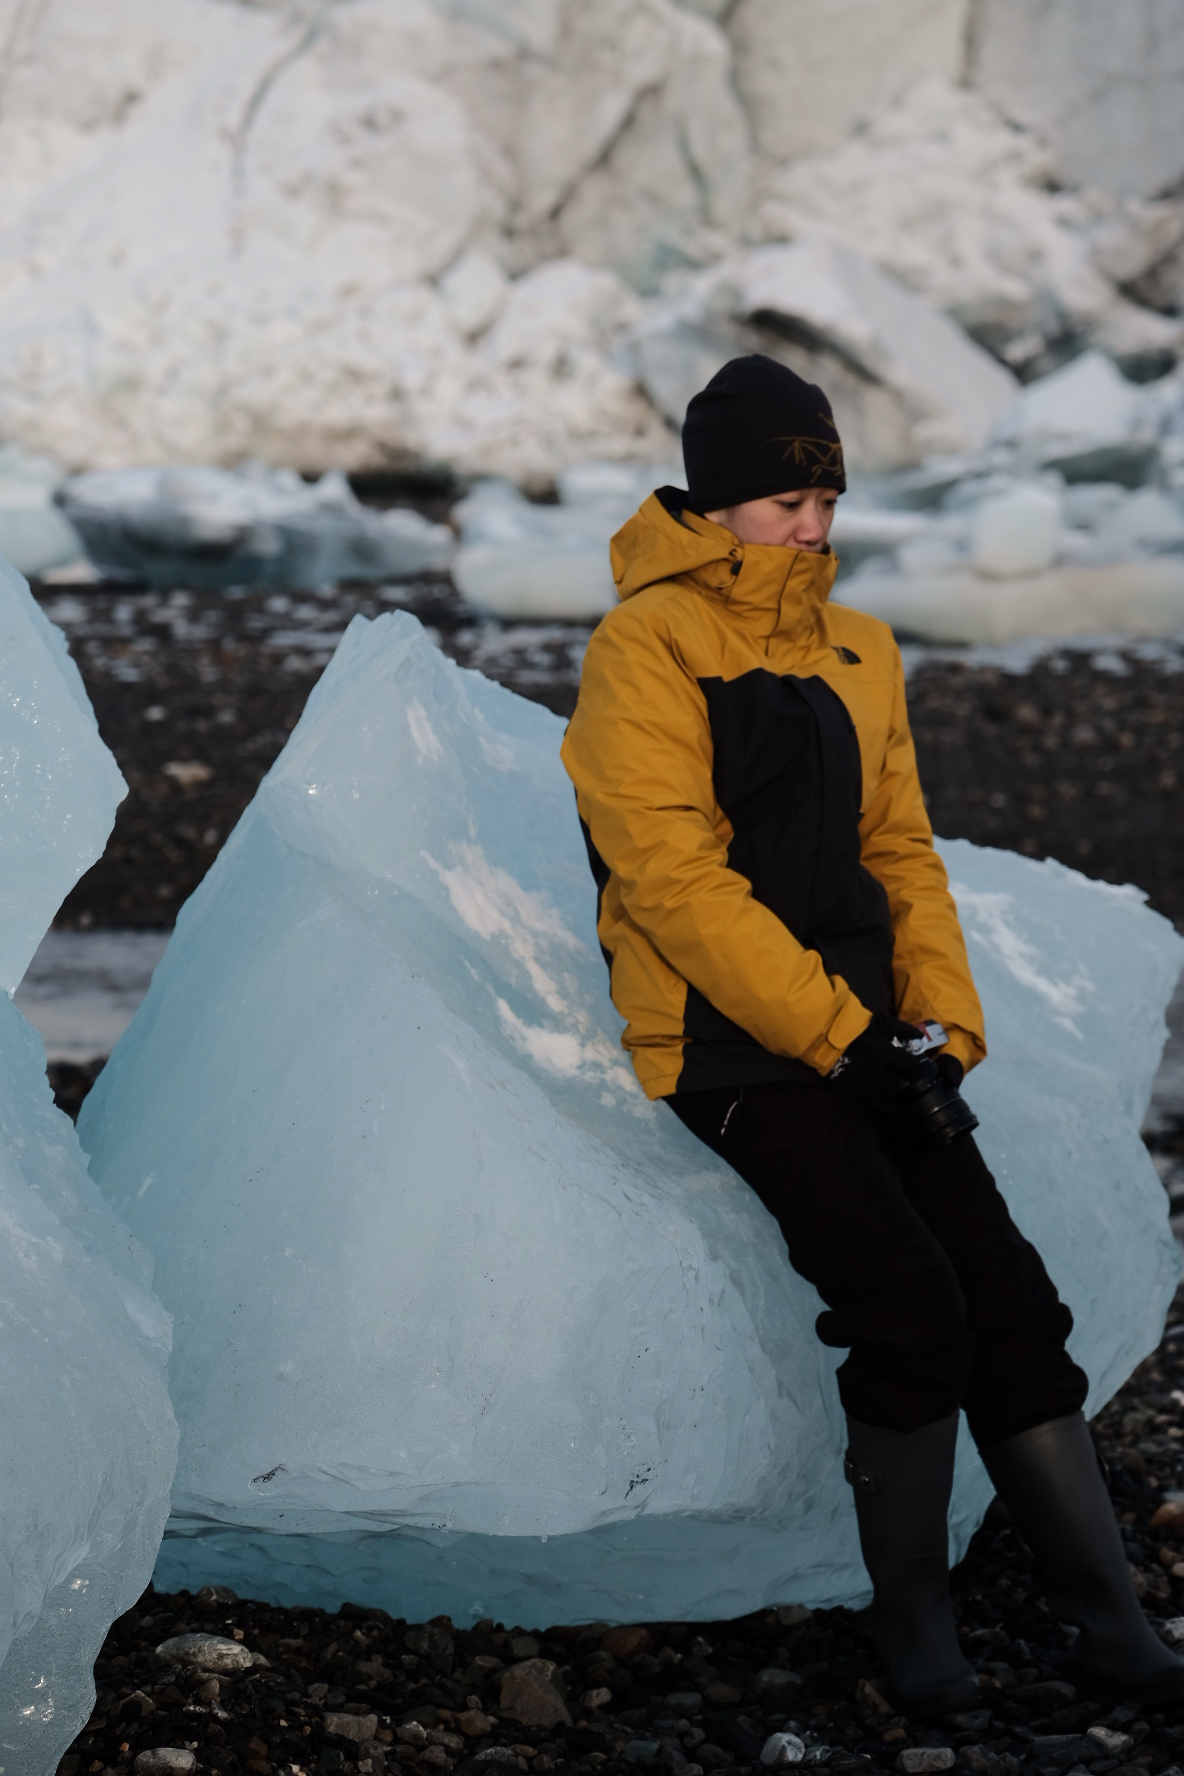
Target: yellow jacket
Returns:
[[723, 676]]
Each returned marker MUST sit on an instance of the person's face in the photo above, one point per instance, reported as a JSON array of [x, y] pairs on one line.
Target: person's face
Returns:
[[797, 520]]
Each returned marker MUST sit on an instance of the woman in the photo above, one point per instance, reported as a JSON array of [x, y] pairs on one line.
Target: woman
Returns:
[[777, 923]]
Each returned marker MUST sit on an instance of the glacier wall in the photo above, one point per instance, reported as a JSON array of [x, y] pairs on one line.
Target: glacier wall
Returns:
[[462, 1323], [427, 230], [87, 1436]]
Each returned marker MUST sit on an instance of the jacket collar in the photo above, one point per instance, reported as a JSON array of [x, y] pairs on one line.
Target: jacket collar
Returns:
[[771, 591]]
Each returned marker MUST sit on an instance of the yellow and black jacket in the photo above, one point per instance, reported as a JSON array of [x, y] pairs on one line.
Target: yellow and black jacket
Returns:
[[748, 790]]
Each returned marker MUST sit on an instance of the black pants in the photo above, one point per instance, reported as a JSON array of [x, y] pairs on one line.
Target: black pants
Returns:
[[926, 1278]]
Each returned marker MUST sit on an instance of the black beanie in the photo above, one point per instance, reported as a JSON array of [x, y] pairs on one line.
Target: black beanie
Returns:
[[757, 429]]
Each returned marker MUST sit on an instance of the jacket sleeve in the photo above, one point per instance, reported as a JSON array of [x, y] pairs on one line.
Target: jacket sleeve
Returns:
[[639, 752], [930, 965]]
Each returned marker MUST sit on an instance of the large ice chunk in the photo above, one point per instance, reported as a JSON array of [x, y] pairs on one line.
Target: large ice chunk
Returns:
[[947, 601], [87, 1436], [463, 1323], [209, 528]]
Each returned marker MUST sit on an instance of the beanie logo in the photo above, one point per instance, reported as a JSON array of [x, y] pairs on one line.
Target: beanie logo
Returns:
[[820, 458]]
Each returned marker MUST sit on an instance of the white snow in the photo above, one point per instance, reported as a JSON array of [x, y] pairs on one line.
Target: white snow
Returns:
[[87, 1437], [207, 528], [464, 1324]]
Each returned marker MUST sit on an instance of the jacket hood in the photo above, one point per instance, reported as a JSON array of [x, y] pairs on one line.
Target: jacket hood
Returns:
[[774, 589]]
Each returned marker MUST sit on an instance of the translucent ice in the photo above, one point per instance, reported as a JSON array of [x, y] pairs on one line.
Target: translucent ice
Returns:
[[208, 528], [87, 1437], [59, 786], [463, 1323]]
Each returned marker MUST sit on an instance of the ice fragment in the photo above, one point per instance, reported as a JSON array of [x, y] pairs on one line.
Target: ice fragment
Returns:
[[209, 528]]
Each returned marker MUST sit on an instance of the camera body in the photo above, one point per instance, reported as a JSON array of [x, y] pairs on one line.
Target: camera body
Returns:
[[933, 1113]]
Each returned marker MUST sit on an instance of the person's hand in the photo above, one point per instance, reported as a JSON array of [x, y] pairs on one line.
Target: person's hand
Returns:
[[873, 1071]]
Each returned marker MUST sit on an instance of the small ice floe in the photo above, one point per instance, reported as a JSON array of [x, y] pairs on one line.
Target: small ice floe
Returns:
[[209, 528], [519, 559]]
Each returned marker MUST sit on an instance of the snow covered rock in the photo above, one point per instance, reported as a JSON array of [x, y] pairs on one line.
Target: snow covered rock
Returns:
[[904, 380], [463, 1323], [87, 1436], [1104, 84], [34, 534], [208, 528]]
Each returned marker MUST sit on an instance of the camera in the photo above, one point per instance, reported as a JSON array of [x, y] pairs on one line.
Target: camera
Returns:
[[932, 1112]]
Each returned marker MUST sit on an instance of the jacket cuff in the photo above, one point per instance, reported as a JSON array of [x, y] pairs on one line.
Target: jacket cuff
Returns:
[[851, 1020]]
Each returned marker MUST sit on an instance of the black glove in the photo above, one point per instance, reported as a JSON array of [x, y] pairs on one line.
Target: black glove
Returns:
[[873, 1071]]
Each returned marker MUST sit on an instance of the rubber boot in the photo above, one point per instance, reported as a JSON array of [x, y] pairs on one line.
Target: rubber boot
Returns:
[[1050, 1481], [902, 1487]]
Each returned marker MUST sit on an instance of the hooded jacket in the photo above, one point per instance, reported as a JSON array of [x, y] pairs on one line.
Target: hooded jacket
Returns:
[[747, 785]]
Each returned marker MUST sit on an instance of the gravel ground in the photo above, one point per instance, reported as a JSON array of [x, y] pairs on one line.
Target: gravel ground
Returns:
[[1080, 758], [362, 1692]]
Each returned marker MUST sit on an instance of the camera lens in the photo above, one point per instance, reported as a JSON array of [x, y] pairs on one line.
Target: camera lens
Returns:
[[934, 1113]]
